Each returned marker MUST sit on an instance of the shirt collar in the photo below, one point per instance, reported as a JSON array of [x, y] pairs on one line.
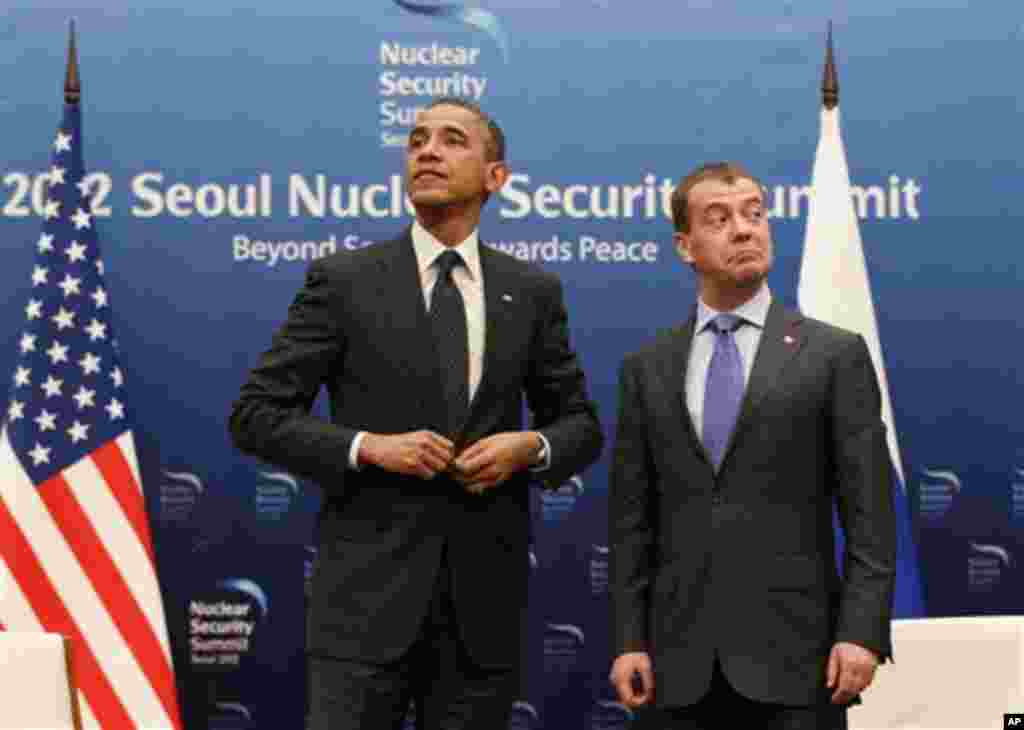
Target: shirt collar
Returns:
[[428, 248], [753, 311]]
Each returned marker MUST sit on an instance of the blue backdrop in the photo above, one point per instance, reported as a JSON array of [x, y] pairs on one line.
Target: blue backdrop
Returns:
[[232, 142]]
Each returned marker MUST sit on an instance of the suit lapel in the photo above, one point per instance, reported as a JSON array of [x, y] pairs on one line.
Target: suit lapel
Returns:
[[677, 363], [780, 342], [401, 291], [498, 284]]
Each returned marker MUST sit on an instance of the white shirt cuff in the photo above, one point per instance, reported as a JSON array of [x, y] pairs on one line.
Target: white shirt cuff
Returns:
[[353, 451], [545, 455]]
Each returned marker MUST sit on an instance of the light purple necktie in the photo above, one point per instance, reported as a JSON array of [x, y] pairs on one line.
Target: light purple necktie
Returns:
[[723, 389]]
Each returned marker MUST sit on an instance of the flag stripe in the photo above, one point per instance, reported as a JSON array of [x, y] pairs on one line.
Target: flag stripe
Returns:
[[35, 585], [89, 721], [116, 470], [98, 498], [109, 585], [126, 442], [76, 595]]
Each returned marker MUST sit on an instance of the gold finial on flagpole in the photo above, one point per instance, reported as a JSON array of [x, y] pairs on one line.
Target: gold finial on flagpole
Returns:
[[72, 84], [830, 82]]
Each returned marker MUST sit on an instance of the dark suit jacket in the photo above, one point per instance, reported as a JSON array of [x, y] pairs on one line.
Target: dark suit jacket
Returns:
[[742, 563], [360, 327]]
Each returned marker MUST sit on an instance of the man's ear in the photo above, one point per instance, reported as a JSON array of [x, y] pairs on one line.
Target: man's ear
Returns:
[[683, 246], [496, 177]]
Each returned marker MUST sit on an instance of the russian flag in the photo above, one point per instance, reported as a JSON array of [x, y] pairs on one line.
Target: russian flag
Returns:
[[834, 288]]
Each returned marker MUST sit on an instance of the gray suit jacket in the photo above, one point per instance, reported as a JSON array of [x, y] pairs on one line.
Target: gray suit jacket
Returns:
[[742, 563]]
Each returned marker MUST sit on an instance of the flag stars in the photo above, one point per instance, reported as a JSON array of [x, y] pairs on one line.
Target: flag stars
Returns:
[[52, 386], [81, 219], [40, 455], [45, 243], [75, 252], [64, 319], [28, 343], [117, 376], [46, 421], [40, 274], [83, 187], [62, 143], [90, 364], [84, 398], [96, 330], [58, 353], [34, 310], [115, 408], [100, 267], [70, 285], [16, 410], [51, 210], [100, 297], [56, 176], [78, 432], [22, 377]]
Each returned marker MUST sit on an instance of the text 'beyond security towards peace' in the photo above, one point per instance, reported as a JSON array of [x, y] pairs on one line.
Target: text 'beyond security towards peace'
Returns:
[[555, 249]]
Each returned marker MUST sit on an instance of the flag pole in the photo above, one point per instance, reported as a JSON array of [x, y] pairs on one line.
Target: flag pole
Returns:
[[72, 82]]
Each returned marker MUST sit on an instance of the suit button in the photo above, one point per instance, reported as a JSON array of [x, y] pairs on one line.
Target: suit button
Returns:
[[716, 498]]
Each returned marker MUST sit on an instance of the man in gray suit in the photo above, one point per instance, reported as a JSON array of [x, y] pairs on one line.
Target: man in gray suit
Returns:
[[738, 431]]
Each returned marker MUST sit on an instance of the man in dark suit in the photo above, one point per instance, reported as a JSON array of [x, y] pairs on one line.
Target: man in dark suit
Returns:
[[426, 345], [737, 433]]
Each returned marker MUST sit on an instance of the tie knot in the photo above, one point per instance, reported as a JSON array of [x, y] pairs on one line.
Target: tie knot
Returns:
[[447, 261], [724, 323]]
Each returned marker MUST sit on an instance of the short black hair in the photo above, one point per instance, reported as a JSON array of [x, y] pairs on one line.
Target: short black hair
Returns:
[[727, 172], [496, 143]]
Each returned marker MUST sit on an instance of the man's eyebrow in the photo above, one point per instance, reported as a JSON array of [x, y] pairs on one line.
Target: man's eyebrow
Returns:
[[423, 128]]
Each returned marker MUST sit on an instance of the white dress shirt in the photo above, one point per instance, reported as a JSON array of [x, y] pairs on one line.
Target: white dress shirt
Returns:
[[469, 281], [753, 312]]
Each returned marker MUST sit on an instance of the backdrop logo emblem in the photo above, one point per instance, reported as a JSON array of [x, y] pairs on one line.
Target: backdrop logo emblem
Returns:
[[524, 716], [562, 646], [464, 13], [179, 493], [938, 493], [985, 566], [229, 716], [222, 623], [560, 502], [275, 494]]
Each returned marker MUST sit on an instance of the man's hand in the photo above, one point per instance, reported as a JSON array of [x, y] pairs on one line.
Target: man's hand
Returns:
[[633, 679], [490, 461], [421, 454], [850, 669]]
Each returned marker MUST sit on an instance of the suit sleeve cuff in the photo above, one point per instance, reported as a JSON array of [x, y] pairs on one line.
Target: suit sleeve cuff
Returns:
[[353, 451]]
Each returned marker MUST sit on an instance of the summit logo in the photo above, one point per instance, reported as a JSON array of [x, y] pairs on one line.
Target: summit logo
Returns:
[[413, 74], [939, 489], [464, 14]]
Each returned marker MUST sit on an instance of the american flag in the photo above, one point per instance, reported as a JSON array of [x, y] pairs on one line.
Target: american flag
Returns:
[[76, 556]]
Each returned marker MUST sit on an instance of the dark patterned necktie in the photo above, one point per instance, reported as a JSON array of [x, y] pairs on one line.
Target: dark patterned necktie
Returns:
[[723, 389], [448, 317]]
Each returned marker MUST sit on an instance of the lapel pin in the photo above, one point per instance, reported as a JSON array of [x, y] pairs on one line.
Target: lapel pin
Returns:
[[506, 297], [789, 339]]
